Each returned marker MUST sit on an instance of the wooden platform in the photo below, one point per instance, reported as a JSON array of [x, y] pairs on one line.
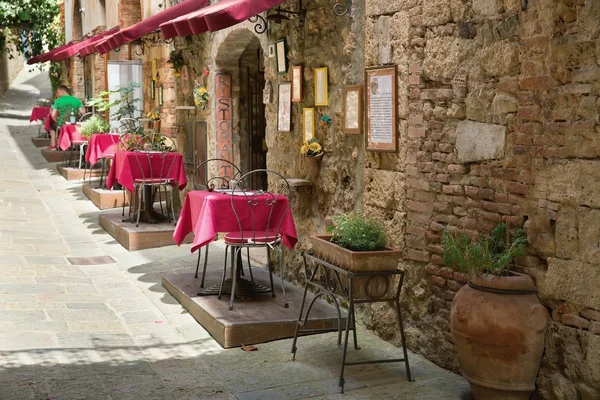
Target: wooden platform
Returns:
[[39, 141], [76, 174], [146, 236], [258, 320], [104, 198], [58, 156]]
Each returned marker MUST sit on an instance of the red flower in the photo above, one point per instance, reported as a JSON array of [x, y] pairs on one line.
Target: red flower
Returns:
[[205, 72]]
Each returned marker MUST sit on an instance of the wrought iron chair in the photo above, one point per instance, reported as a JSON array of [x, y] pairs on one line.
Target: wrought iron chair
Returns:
[[264, 232], [81, 144], [201, 181], [154, 147]]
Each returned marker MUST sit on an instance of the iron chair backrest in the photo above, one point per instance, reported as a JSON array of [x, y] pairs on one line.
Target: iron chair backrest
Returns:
[[149, 152], [222, 181], [85, 116], [260, 201], [125, 125]]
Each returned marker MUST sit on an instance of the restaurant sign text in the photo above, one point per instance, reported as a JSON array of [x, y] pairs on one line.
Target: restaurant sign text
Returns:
[[224, 120]]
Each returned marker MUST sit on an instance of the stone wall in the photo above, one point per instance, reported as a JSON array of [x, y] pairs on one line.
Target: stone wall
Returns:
[[498, 121], [9, 67]]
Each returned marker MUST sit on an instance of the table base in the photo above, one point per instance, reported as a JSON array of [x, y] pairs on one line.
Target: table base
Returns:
[[244, 289]]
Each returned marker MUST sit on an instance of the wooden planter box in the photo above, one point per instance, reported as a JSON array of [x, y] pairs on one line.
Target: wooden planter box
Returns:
[[359, 261]]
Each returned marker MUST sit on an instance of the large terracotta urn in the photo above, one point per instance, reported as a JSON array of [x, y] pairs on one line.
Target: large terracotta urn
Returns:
[[498, 326]]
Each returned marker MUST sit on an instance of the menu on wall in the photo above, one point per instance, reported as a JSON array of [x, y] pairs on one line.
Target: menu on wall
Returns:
[[381, 108]]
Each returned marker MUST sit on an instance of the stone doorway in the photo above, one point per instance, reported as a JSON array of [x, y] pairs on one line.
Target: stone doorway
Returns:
[[253, 148]]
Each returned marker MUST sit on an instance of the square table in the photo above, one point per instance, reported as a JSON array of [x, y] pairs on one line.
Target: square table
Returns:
[[69, 135], [100, 146]]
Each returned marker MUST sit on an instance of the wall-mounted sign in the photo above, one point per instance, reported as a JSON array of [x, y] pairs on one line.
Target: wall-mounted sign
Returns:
[[353, 110], [224, 120], [284, 112], [380, 89], [297, 76], [321, 95], [154, 70]]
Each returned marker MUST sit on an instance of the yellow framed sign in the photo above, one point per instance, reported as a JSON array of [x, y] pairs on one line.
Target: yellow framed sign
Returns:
[[321, 95], [309, 123]]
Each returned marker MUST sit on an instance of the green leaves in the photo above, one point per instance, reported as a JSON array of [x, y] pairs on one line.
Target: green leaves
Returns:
[[356, 232], [94, 124], [491, 254]]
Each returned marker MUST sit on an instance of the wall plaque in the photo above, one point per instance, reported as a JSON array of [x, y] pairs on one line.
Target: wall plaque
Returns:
[[381, 106], [224, 119], [185, 80]]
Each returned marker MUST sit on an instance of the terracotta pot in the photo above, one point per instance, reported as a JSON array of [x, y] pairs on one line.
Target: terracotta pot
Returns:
[[499, 326], [156, 125], [359, 261], [315, 164]]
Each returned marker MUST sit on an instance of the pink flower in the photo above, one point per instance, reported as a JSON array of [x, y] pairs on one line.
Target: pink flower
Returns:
[[205, 72]]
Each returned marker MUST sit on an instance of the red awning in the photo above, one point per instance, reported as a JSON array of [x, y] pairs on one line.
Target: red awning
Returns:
[[71, 51], [151, 24], [47, 55], [215, 17]]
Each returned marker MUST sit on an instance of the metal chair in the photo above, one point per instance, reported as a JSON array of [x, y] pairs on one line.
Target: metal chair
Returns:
[[267, 213], [154, 147], [201, 181]]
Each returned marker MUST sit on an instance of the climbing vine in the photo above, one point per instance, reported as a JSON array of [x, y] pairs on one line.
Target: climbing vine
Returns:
[[31, 24]]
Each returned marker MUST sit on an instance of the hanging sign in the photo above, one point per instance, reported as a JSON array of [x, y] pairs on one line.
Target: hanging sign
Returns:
[[224, 120], [185, 80]]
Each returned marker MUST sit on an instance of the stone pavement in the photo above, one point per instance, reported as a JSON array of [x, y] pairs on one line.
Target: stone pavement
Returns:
[[110, 331]]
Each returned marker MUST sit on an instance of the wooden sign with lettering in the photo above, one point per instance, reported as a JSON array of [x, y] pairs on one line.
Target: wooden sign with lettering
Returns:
[[224, 121]]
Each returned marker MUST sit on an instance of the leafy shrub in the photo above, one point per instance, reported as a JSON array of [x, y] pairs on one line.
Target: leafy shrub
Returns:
[[492, 254], [92, 125], [356, 232]]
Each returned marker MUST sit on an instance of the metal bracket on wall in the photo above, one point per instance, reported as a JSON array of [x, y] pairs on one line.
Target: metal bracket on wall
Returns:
[[260, 24], [341, 9]]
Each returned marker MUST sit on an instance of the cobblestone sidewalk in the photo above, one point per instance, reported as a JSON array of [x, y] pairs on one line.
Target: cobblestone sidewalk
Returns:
[[111, 331]]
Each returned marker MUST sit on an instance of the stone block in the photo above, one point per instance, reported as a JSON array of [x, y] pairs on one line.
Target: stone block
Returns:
[[589, 236], [385, 7], [444, 56], [591, 314], [573, 182], [500, 58], [477, 141], [436, 12], [572, 281], [504, 103], [384, 189], [487, 7]]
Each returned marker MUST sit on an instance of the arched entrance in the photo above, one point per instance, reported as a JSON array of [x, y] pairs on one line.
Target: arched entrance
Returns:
[[241, 56]]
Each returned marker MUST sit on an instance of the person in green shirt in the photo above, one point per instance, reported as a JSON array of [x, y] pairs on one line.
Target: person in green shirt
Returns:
[[63, 107]]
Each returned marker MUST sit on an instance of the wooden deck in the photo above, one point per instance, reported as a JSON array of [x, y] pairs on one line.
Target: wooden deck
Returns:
[[40, 141], [57, 155], [258, 320], [146, 236], [104, 198], [76, 174]]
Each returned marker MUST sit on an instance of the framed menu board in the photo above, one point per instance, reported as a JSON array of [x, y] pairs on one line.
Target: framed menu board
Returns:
[[381, 108]]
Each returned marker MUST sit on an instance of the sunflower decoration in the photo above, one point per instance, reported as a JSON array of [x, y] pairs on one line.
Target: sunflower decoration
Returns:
[[176, 60], [200, 93], [312, 148], [154, 115]]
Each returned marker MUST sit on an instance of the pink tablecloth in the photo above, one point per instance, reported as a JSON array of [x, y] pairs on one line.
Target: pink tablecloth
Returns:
[[129, 166], [208, 213], [100, 146], [39, 113], [68, 135]]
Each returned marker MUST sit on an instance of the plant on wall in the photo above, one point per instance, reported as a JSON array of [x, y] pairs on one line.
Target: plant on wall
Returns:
[[125, 103], [200, 93], [176, 60], [312, 148]]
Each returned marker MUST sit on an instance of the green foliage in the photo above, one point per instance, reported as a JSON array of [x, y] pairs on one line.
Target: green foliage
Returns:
[[492, 254], [354, 231], [94, 124], [126, 104], [176, 59], [37, 19]]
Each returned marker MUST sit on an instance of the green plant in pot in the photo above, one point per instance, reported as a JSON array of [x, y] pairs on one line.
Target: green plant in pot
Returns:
[[497, 322], [93, 125], [358, 243]]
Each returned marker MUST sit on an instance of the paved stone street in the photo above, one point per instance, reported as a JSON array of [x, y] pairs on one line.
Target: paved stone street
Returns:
[[111, 331]]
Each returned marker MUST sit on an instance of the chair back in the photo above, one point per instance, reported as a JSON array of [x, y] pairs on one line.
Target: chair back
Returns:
[[204, 180], [155, 155], [85, 117], [260, 210]]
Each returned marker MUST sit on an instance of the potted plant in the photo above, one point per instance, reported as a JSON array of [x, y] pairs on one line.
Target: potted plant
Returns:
[[497, 322], [176, 60], [155, 118], [94, 124], [358, 243], [200, 93], [314, 151]]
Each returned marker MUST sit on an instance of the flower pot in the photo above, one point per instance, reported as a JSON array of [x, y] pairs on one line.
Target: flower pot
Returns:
[[315, 165], [156, 125], [359, 261], [499, 326]]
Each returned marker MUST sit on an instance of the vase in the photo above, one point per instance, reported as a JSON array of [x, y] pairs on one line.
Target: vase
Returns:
[[315, 164], [156, 125], [498, 326]]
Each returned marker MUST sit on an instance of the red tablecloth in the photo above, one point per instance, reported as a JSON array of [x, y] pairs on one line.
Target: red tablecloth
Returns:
[[101, 144], [68, 135], [208, 213], [39, 113], [128, 166]]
